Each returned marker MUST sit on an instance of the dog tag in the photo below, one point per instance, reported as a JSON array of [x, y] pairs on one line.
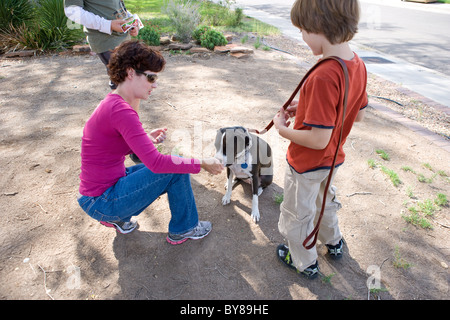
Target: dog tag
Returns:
[[244, 166]]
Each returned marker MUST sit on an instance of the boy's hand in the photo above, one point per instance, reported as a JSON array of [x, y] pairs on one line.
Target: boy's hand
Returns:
[[280, 119], [292, 109]]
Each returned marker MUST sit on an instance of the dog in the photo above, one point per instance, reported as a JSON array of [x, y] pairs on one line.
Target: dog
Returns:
[[248, 158]]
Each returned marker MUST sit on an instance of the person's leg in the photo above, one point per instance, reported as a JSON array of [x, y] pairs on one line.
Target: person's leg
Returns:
[[298, 211], [104, 57], [138, 189], [329, 232]]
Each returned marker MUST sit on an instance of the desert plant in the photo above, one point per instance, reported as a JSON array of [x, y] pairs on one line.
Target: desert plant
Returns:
[[54, 32], [213, 38], [15, 13], [45, 29], [185, 17]]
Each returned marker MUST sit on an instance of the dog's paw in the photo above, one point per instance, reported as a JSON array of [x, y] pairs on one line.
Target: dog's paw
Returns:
[[260, 190], [255, 215], [226, 199]]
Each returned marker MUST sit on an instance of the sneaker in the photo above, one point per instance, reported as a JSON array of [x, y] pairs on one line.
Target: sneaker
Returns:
[[336, 251], [200, 231], [121, 226], [284, 255]]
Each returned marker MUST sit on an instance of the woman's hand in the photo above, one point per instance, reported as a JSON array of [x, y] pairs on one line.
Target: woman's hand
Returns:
[[212, 165], [158, 135]]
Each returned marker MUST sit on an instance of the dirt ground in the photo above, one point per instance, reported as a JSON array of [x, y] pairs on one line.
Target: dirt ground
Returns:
[[50, 249]]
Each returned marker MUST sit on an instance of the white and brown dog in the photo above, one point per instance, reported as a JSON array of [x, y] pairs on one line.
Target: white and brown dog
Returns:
[[247, 158]]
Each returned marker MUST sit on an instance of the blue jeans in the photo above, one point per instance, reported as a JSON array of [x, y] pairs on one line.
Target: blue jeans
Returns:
[[137, 190]]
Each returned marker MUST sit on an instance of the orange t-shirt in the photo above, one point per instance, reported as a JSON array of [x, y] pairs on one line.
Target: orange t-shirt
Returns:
[[321, 106]]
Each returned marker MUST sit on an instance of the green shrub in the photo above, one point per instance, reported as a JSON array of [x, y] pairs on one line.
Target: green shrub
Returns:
[[199, 32], [150, 35], [212, 38]]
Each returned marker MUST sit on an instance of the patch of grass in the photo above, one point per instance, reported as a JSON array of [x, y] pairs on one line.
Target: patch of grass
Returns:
[[399, 262], [416, 219], [257, 43], [372, 164], [421, 177], [441, 200], [408, 169], [383, 154], [427, 207], [327, 279], [278, 198], [392, 175], [410, 193]]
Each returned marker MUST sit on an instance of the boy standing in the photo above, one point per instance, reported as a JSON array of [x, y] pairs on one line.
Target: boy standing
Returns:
[[102, 21], [326, 27]]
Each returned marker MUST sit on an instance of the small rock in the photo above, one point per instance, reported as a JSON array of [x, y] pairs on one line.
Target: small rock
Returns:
[[164, 41], [229, 37], [199, 50], [180, 46], [81, 48], [20, 53]]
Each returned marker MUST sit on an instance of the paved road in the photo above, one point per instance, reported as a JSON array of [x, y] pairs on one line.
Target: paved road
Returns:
[[413, 36], [415, 32]]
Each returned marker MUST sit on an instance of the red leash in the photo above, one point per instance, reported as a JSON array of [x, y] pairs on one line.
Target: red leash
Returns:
[[315, 232]]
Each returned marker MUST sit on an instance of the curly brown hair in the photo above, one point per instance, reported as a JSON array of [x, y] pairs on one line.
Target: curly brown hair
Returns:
[[136, 55]]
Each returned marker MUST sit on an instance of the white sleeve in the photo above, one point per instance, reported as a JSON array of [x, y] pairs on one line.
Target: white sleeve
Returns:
[[88, 19]]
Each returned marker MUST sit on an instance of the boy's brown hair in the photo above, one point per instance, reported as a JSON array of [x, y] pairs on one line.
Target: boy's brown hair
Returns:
[[336, 19]]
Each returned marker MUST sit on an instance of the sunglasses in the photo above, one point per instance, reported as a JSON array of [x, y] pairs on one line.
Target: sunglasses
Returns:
[[150, 77]]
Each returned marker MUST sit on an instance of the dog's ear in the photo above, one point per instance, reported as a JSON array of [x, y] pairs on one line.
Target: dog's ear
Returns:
[[247, 141], [219, 136]]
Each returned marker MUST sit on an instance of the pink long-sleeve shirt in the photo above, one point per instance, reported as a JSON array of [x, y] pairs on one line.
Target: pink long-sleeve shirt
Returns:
[[113, 131]]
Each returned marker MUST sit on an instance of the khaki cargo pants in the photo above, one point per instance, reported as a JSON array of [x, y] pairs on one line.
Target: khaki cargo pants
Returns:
[[300, 209]]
